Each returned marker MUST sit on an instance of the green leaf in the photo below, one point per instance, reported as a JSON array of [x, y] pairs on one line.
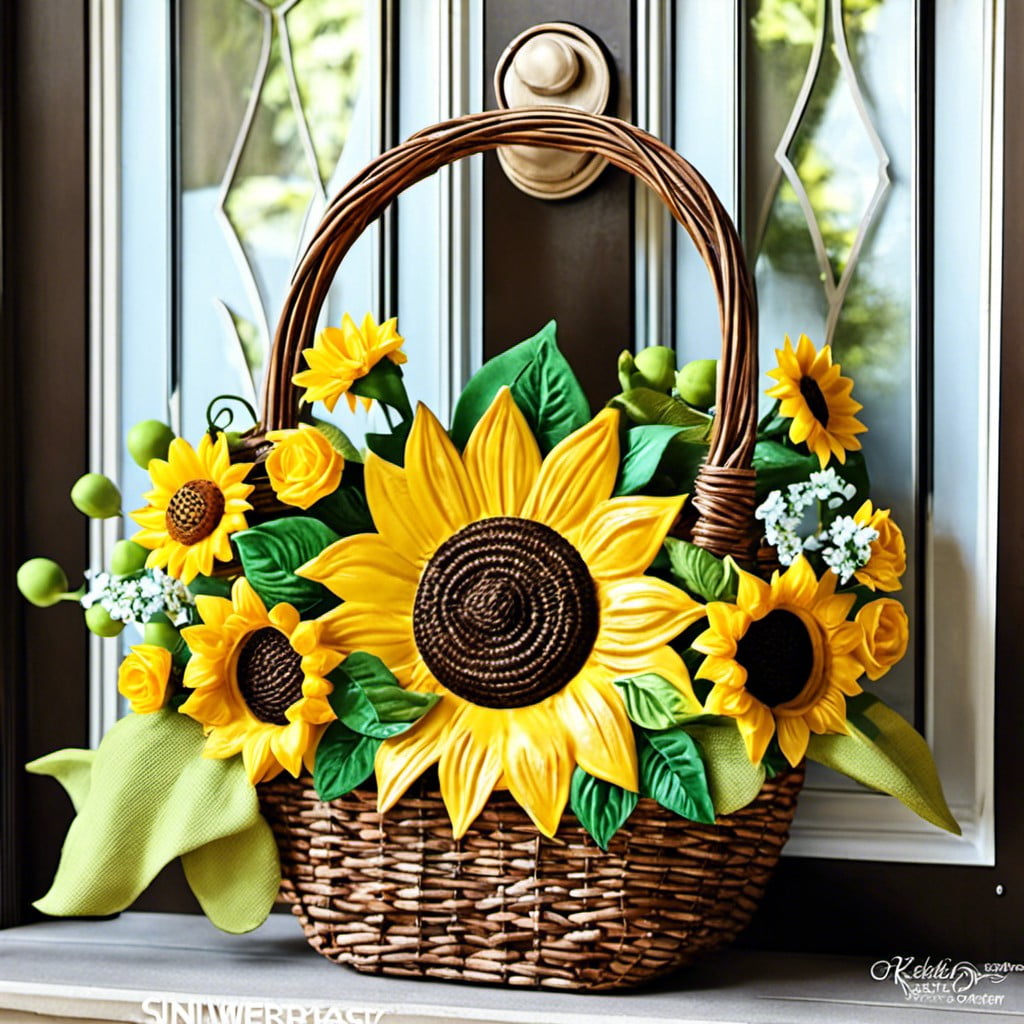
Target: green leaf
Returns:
[[682, 461], [543, 387], [344, 760], [212, 586], [700, 572], [384, 383], [339, 440], [391, 446], [779, 465], [647, 406], [732, 780], [345, 511], [645, 449], [270, 554], [896, 761], [672, 772], [153, 797], [602, 807], [370, 701], [653, 702]]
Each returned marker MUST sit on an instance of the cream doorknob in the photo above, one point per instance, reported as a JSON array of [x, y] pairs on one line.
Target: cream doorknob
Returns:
[[553, 64]]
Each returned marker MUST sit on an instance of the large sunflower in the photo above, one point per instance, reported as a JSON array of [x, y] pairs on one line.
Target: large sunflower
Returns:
[[259, 682], [341, 355], [817, 399], [782, 659], [513, 588], [197, 502]]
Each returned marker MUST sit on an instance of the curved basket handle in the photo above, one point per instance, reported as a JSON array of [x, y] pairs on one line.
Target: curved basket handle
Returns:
[[724, 489]]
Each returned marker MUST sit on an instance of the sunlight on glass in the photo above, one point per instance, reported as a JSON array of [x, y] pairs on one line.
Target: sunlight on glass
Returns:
[[268, 94]]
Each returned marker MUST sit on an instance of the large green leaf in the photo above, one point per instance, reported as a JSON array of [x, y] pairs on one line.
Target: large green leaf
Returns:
[[732, 780], [647, 406], [151, 797], [645, 448], [884, 752], [653, 702], [700, 572], [543, 387], [602, 807], [370, 701], [270, 554], [344, 760], [672, 772], [345, 511]]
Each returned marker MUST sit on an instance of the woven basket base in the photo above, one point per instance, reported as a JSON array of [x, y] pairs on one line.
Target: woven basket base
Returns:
[[396, 894]]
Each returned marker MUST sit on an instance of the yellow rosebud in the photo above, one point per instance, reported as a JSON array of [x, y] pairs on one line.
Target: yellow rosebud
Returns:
[[303, 467], [143, 678], [888, 560], [885, 636]]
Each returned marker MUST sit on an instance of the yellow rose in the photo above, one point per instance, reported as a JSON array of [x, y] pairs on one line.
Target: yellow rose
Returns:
[[303, 467], [143, 678], [885, 636], [888, 560]]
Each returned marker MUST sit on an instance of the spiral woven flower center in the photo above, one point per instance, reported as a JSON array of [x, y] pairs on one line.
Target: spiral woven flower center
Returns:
[[778, 654], [269, 674], [194, 511], [506, 612], [811, 391]]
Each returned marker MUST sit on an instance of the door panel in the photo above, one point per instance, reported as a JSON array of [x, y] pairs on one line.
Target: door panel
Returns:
[[571, 260]]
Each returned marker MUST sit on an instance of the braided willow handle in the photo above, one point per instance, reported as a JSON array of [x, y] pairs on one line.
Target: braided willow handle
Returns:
[[724, 489]]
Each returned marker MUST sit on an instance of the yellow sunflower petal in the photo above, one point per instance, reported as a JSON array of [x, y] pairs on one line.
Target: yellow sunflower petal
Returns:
[[502, 457], [621, 536], [642, 613], [797, 586], [577, 475], [446, 500], [362, 627], [470, 767], [403, 759], [538, 774], [396, 513], [601, 731], [794, 735], [364, 567], [757, 726]]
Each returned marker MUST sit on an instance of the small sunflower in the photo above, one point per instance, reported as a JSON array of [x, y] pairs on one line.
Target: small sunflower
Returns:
[[817, 399], [888, 560], [513, 588], [197, 502], [341, 355], [782, 659], [259, 681]]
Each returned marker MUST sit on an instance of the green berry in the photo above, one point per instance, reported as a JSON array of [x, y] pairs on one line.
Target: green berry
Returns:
[[626, 369], [42, 581], [696, 383], [97, 496], [161, 634], [98, 619], [127, 557], [657, 365], [148, 440]]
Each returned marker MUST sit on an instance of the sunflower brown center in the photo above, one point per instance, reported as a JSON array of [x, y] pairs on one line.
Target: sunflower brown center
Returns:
[[269, 674], [194, 511], [811, 391], [506, 612], [778, 654]]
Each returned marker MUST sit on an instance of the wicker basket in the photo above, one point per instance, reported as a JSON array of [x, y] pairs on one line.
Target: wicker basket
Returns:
[[394, 893]]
